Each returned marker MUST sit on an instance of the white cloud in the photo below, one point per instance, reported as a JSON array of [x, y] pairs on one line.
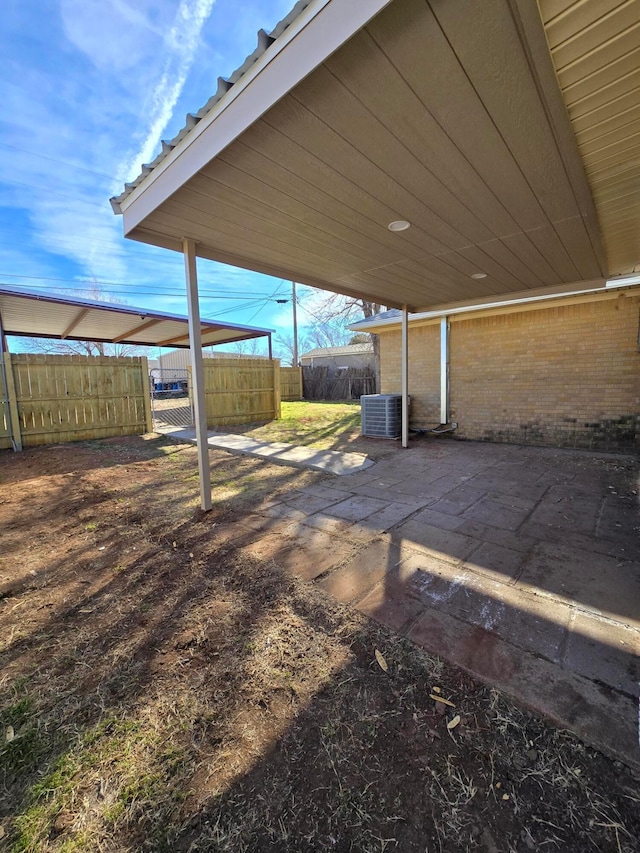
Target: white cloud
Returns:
[[111, 33], [181, 43], [76, 112]]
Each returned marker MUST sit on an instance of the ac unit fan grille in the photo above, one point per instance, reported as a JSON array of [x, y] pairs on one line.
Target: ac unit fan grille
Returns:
[[381, 415]]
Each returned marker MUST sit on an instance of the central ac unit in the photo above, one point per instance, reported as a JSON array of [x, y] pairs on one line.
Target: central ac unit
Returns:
[[381, 415]]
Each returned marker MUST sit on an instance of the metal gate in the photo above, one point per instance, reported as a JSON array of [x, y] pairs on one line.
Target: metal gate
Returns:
[[171, 404]]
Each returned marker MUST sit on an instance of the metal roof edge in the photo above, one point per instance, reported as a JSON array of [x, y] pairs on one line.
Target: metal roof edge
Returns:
[[222, 96], [115, 307]]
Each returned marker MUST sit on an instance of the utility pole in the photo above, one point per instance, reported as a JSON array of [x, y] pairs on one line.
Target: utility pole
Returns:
[[295, 324]]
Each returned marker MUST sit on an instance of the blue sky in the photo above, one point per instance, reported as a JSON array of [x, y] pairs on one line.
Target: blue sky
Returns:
[[90, 87]]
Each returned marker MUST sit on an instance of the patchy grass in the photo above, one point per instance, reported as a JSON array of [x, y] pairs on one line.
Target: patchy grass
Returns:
[[164, 691], [325, 425]]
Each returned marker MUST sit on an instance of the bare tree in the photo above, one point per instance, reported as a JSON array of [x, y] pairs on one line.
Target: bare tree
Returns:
[[285, 349], [250, 347], [329, 333], [53, 346], [338, 311]]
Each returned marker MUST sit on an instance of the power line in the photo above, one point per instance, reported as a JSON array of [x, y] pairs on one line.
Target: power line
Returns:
[[60, 162], [107, 287], [248, 302], [48, 190], [282, 281]]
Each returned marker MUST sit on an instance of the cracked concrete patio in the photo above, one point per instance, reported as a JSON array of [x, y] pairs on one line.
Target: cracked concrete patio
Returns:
[[519, 564]]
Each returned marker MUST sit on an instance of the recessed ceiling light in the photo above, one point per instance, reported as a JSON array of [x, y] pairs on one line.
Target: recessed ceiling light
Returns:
[[399, 225], [479, 275]]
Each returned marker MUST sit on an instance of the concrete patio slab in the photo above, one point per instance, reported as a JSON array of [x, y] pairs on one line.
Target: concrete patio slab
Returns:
[[307, 559], [356, 508], [606, 586], [604, 651], [519, 564], [603, 717], [364, 572], [441, 543], [335, 526], [497, 559]]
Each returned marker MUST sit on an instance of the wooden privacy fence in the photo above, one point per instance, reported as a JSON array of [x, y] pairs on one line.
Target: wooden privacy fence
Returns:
[[324, 383], [60, 398], [241, 390], [290, 383]]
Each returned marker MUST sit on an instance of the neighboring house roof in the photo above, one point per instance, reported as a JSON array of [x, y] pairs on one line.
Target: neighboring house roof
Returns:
[[328, 352], [490, 127], [40, 315]]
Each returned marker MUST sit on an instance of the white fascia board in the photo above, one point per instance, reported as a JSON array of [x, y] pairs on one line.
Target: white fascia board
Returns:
[[323, 27], [623, 281], [521, 298]]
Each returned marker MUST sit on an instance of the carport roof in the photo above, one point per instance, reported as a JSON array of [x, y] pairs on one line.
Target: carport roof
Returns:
[[46, 316], [505, 132]]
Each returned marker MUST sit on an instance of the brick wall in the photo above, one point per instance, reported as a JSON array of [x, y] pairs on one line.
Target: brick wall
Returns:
[[424, 371], [565, 375]]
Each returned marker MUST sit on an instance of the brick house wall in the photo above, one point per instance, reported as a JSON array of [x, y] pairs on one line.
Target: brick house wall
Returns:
[[566, 374]]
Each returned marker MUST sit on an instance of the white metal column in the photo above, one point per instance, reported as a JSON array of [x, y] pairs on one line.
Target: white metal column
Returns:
[[444, 370], [197, 372], [405, 376]]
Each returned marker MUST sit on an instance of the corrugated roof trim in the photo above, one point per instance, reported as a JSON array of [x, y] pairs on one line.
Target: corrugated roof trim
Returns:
[[265, 41]]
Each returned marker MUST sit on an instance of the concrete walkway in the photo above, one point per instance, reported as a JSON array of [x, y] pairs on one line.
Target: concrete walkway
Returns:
[[329, 461], [519, 564]]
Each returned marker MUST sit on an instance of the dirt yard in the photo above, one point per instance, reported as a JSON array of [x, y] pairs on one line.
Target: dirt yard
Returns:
[[161, 690]]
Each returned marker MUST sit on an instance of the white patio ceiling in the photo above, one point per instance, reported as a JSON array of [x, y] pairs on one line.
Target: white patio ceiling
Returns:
[[447, 114], [44, 316]]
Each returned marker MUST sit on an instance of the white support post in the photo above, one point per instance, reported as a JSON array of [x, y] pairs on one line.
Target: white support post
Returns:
[[197, 372], [444, 370], [405, 376]]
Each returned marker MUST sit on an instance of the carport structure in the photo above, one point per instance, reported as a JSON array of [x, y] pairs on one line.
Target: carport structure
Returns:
[[42, 315], [38, 315], [414, 154]]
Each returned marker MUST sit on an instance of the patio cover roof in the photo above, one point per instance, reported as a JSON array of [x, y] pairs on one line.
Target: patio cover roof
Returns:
[[45, 316], [505, 132]]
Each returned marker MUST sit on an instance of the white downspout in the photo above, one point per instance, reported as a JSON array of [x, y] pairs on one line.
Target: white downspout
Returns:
[[444, 370], [197, 372], [405, 376]]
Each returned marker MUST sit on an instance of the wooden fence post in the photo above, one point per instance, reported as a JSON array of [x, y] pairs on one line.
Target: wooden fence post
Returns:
[[15, 432], [146, 390], [277, 409]]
